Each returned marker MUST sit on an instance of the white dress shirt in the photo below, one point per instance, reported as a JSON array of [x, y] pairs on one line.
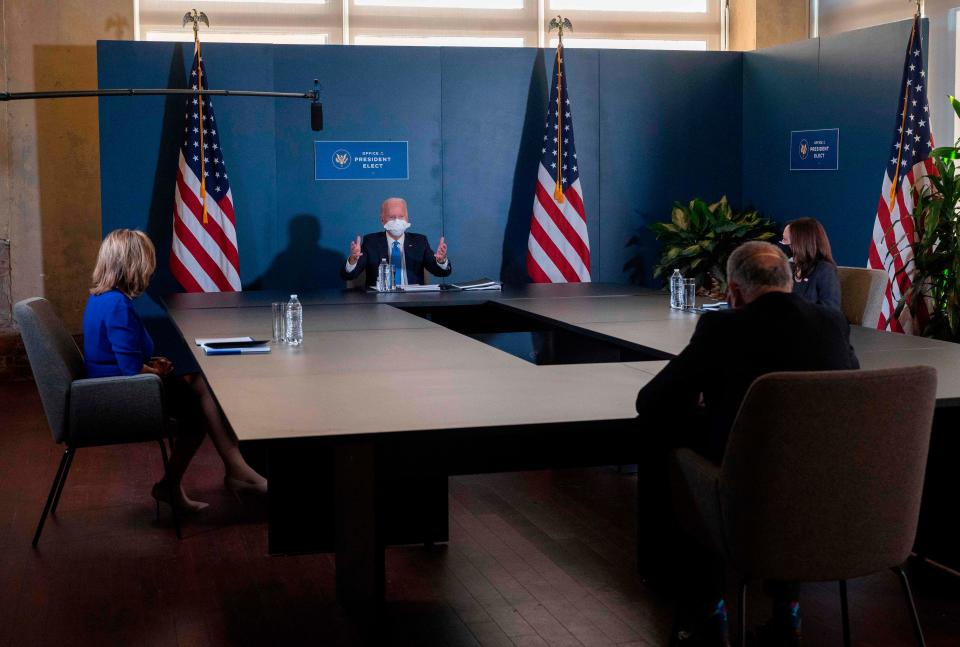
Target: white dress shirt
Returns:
[[403, 265]]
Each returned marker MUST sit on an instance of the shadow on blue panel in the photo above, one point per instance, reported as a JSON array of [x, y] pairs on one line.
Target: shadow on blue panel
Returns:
[[160, 221], [644, 248], [166, 337], [513, 267], [304, 265]]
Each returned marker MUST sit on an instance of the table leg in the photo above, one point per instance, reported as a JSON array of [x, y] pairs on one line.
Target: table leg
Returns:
[[359, 535]]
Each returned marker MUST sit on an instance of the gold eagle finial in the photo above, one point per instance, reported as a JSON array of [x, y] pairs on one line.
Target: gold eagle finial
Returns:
[[195, 17], [561, 24]]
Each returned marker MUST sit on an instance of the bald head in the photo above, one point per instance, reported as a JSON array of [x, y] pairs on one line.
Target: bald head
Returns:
[[754, 269], [393, 209]]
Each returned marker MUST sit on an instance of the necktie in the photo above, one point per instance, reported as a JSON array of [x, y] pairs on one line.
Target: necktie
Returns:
[[396, 260]]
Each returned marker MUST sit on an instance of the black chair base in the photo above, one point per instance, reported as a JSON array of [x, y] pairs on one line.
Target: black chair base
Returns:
[[844, 610], [60, 479], [908, 596], [55, 490]]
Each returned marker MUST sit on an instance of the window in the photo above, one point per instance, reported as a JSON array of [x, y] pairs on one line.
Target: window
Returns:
[[448, 4], [620, 24], [456, 41], [656, 6], [285, 38], [250, 21], [632, 43]]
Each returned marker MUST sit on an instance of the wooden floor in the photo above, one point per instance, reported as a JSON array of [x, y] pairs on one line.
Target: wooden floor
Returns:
[[537, 558]]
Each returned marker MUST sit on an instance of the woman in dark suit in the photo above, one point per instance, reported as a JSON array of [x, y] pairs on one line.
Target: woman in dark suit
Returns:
[[115, 342], [814, 270]]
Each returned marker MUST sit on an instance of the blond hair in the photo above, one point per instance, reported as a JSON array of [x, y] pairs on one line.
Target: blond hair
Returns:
[[126, 261]]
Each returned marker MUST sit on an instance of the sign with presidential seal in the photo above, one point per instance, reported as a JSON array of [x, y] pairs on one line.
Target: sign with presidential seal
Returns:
[[815, 150], [360, 160]]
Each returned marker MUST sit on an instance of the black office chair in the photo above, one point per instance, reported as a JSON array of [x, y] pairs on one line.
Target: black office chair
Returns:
[[87, 412]]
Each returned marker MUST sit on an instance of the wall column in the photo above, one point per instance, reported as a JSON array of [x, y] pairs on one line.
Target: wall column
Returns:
[[755, 24], [50, 155]]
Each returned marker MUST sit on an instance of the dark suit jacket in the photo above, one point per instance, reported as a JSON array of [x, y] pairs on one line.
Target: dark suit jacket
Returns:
[[821, 286], [416, 251], [728, 351]]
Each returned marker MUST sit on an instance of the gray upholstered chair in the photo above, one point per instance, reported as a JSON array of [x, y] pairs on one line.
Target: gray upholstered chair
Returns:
[[821, 479], [861, 294], [86, 412]]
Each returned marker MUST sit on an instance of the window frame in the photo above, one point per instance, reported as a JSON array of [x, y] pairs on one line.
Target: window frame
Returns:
[[344, 21]]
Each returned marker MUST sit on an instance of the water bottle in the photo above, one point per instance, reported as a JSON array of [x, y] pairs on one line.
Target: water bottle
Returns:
[[294, 335], [382, 275], [391, 283], [676, 290]]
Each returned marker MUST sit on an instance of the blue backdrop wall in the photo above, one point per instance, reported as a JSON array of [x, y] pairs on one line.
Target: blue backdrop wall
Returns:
[[651, 127], [851, 82], [474, 119]]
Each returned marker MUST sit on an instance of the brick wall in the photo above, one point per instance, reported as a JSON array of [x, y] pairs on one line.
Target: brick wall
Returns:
[[13, 359]]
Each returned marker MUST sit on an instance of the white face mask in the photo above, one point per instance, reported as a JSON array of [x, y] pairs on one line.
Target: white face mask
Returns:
[[396, 227]]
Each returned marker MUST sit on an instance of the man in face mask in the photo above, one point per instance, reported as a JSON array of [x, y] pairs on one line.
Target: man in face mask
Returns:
[[407, 253]]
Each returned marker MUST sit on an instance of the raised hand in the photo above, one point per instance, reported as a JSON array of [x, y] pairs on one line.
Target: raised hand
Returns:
[[355, 252], [441, 254]]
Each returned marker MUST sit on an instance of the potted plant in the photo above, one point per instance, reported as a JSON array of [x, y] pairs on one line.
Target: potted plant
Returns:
[[935, 287], [700, 237]]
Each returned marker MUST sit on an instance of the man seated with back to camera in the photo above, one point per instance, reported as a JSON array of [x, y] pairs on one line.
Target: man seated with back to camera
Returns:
[[693, 402], [407, 253]]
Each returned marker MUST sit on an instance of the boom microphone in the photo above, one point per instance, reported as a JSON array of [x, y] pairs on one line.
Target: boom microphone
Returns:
[[316, 108]]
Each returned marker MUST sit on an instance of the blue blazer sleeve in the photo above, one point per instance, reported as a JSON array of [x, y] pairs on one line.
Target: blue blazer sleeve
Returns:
[[126, 336], [828, 285]]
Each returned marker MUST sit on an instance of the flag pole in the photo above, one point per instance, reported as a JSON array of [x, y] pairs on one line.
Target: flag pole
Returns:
[[195, 17], [558, 189], [903, 118], [559, 23]]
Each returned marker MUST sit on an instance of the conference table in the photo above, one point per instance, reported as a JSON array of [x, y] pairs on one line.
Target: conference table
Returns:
[[390, 394]]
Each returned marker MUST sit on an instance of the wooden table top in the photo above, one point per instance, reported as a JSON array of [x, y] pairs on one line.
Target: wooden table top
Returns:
[[368, 367]]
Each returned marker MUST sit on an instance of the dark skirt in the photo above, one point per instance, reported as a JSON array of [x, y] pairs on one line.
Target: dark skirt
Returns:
[[183, 405]]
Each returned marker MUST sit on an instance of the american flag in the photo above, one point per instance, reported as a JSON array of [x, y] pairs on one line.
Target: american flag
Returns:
[[558, 249], [908, 168], [204, 256]]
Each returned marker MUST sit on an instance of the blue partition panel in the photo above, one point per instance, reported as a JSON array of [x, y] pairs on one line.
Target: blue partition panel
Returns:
[[367, 95], [473, 118], [851, 82], [672, 134]]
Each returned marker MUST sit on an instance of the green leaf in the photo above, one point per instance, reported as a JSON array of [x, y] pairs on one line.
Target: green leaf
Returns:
[[679, 218], [721, 207], [955, 104], [945, 152], [700, 237]]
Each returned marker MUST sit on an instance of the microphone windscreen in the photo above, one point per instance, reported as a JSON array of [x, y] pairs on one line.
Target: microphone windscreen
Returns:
[[316, 115]]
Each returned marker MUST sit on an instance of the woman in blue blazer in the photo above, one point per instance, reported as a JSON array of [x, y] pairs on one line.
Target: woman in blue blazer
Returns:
[[814, 270], [115, 342]]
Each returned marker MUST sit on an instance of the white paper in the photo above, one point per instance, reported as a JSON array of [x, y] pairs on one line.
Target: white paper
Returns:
[[218, 340], [432, 287], [250, 350]]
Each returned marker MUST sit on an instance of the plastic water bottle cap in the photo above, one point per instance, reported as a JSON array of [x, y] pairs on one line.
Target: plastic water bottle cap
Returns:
[[293, 296]]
